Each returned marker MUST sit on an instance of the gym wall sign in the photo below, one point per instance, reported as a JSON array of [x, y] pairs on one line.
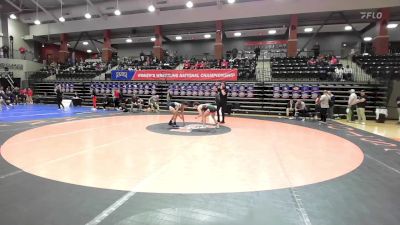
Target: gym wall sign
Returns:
[[12, 66]]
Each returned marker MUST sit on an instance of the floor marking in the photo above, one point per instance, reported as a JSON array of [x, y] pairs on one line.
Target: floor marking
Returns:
[[11, 174], [67, 133], [383, 164], [296, 197], [119, 202]]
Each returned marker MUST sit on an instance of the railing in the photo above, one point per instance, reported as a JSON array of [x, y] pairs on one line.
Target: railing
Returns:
[[17, 55]]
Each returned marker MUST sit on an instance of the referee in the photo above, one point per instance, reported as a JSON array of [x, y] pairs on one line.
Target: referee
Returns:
[[221, 99]]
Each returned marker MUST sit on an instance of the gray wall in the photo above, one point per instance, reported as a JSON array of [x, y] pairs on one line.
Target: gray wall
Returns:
[[328, 41]]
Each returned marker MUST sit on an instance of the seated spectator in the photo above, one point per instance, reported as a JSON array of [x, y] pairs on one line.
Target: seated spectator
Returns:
[[154, 103], [339, 74], [136, 102], [348, 73], [225, 64], [333, 61], [300, 109], [290, 108], [312, 62]]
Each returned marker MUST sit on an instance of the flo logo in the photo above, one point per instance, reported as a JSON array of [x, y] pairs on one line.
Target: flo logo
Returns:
[[121, 74], [371, 15]]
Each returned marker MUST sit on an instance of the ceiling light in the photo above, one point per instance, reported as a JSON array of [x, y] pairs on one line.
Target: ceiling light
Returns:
[[178, 37], [129, 40], [37, 22], [348, 27], [231, 1], [207, 35], [85, 43], [308, 29], [189, 4], [237, 34], [61, 19], [272, 32], [151, 8], [153, 39], [392, 25], [13, 16], [89, 51], [88, 16], [117, 12], [368, 39]]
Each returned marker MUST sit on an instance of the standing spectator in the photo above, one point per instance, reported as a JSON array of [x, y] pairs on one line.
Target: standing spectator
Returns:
[[290, 108], [5, 51], [94, 98], [316, 49], [324, 104], [257, 51], [348, 73], [221, 100], [398, 107], [333, 61], [318, 106], [361, 102], [331, 110], [59, 95], [29, 94], [116, 97], [351, 105]]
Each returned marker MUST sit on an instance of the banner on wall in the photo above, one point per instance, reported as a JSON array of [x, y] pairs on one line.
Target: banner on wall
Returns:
[[187, 75], [260, 43], [122, 74]]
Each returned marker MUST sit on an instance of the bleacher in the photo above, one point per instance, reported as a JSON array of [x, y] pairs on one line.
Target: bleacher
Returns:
[[296, 68], [244, 97], [379, 67]]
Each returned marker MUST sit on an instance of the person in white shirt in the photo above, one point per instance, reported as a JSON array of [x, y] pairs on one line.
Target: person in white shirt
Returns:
[[351, 105], [348, 73], [339, 73], [324, 103]]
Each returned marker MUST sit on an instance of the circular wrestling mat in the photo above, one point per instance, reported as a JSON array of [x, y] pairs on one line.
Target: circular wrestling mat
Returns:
[[130, 153]]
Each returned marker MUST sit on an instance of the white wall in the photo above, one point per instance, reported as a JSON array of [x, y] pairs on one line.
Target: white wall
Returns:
[[28, 66], [18, 30]]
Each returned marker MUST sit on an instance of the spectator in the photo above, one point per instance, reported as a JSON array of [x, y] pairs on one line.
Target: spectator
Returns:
[[361, 102], [136, 102], [94, 98], [333, 61], [29, 94], [154, 103], [318, 106], [348, 73], [290, 108], [257, 51], [331, 105], [300, 109], [351, 105], [5, 51], [339, 74], [398, 107], [106, 102], [316, 49], [59, 95], [312, 62], [324, 104], [221, 100], [116, 98]]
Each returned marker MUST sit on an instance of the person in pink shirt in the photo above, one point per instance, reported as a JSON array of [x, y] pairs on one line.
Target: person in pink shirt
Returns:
[[29, 94]]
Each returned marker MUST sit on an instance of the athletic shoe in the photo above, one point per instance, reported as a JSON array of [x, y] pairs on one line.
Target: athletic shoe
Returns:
[[170, 123], [217, 126], [363, 123], [223, 122]]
